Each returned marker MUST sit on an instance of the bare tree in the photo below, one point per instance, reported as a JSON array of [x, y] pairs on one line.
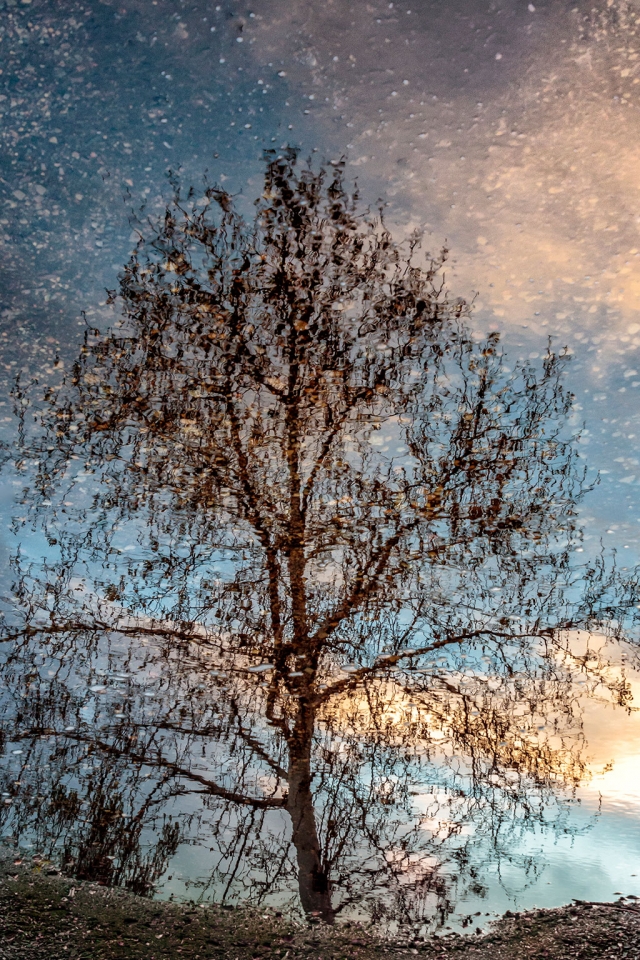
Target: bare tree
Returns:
[[291, 491]]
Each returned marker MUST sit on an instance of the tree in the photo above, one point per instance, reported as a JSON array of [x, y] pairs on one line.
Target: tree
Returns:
[[335, 503]]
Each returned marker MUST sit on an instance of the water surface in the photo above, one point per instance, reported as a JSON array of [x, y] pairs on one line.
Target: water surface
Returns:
[[508, 132]]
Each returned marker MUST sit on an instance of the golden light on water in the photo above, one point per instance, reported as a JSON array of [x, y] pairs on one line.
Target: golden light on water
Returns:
[[613, 736]]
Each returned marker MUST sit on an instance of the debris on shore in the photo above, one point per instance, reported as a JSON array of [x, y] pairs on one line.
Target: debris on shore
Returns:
[[45, 916]]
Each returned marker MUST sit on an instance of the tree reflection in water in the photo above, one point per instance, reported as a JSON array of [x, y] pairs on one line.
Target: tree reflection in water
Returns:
[[311, 583]]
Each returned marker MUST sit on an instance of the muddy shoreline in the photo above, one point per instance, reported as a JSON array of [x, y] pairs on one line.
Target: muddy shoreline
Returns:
[[45, 915]]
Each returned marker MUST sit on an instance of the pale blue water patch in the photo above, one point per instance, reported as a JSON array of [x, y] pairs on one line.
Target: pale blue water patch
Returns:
[[593, 857], [599, 863]]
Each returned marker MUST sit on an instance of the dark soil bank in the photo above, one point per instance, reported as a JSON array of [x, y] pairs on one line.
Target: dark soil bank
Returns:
[[46, 916]]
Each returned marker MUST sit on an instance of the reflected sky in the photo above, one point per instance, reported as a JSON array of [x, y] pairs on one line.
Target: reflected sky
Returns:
[[509, 131]]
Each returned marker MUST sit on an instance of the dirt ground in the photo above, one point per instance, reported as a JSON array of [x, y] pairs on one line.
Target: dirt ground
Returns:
[[44, 916]]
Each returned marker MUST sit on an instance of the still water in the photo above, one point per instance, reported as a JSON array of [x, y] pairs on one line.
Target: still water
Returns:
[[396, 685]]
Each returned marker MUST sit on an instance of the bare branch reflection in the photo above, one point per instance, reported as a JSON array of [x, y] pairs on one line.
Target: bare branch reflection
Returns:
[[310, 588]]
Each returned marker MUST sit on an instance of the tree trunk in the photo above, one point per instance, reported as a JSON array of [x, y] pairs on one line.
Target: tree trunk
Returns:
[[313, 881]]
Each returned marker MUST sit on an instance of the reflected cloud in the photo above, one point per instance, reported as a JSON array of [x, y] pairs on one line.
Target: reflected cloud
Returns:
[[535, 154]]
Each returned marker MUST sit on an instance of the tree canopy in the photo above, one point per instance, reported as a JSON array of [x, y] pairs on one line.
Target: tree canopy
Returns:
[[326, 532]]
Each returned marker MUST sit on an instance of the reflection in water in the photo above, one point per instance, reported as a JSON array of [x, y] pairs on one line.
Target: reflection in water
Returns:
[[310, 588]]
